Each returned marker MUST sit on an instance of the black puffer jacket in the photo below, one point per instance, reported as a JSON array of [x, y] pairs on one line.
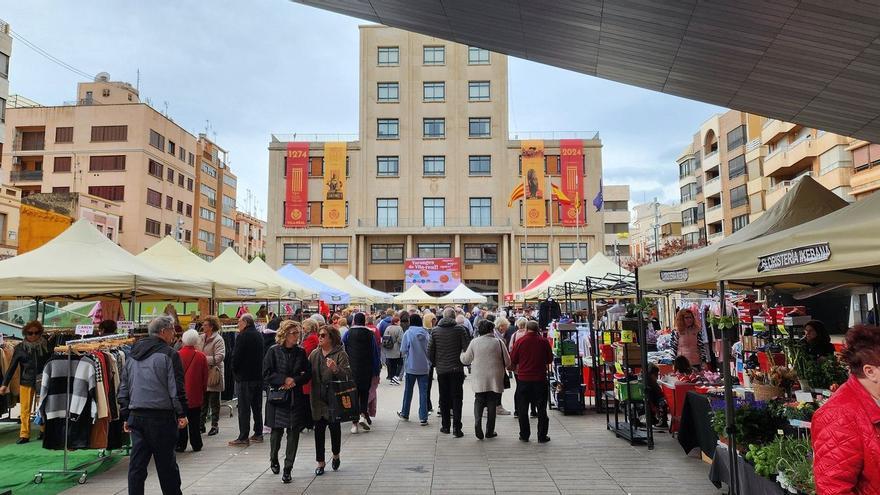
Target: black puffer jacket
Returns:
[[31, 358], [448, 341], [279, 364]]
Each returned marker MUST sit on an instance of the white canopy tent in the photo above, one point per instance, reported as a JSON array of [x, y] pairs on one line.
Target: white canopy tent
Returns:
[[541, 290], [379, 296], [333, 279], [598, 266], [414, 295], [462, 295], [294, 290], [230, 263]]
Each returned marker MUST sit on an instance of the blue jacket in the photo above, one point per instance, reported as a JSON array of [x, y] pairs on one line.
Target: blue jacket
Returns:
[[415, 347], [383, 324]]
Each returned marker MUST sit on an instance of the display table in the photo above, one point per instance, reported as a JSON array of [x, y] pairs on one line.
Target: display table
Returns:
[[675, 394], [750, 482], [695, 429]]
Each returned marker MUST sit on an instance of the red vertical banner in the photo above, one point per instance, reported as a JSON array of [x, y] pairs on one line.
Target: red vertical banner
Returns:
[[297, 185], [571, 153]]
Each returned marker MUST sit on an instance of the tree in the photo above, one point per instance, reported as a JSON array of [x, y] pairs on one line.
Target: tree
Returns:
[[670, 248]]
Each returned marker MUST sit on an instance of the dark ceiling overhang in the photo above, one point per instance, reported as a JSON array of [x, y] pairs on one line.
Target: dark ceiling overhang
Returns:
[[811, 62]]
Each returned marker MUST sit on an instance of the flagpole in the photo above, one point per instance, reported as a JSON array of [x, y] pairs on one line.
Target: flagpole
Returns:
[[550, 253], [577, 215], [525, 213]]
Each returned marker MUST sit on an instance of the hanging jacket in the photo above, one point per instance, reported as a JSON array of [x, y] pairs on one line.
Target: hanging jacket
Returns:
[[846, 442], [80, 375]]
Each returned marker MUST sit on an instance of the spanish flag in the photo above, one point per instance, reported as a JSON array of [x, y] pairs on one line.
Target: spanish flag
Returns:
[[558, 195]]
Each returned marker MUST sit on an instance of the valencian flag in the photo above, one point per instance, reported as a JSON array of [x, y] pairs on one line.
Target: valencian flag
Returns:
[[296, 196], [572, 168], [334, 185], [532, 153], [558, 196]]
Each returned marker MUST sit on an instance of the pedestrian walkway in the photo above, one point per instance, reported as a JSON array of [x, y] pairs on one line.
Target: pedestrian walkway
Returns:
[[405, 458]]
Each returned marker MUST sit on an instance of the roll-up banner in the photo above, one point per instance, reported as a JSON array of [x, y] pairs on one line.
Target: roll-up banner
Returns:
[[334, 185], [572, 167], [532, 152], [297, 195]]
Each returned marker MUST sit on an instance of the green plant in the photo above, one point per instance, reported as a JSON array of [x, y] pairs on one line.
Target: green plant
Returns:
[[825, 372], [634, 309], [789, 457], [754, 422], [724, 322]]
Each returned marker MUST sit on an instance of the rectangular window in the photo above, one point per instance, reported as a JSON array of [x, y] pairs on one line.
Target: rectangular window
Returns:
[[479, 127], [226, 242], [334, 253], [181, 153], [208, 169], [154, 198], [740, 222], [189, 184], [64, 134], [191, 159], [736, 167], [736, 138], [153, 227], [157, 140], [434, 212], [434, 128], [207, 214], [297, 253], [228, 204], [187, 235], [172, 148], [169, 203], [434, 91], [615, 206], [479, 165], [180, 207], [110, 193], [388, 128], [570, 251], [478, 90], [387, 166], [2, 109], [477, 56], [386, 212], [189, 210], [230, 181], [155, 169], [106, 133], [388, 92], [435, 250], [4, 66], [106, 163], [738, 196], [228, 222], [534, 252], [62, 164], [381, 254], [60, 189], [434, 55], [167, 229], [180, 179], [616, 228], [434, 166], [209, 193], [207, 237], [389, 55], [481, 254], [169, 176], [481, 212]]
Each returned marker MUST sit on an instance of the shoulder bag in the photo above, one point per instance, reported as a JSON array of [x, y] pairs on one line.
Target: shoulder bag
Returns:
[[506, 374]]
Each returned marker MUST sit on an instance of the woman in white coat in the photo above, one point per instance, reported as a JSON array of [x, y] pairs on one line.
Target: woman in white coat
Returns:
[[488, 359]]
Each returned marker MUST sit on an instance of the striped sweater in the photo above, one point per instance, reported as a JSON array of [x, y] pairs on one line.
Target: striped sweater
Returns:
[[54, 389]]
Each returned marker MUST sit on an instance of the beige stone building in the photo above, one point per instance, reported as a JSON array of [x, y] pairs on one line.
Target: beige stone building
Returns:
[[10, 207], [109, 144], [214, 222], [616, 217], [431, 174], [865, 178], [644, 238], [250, 235]]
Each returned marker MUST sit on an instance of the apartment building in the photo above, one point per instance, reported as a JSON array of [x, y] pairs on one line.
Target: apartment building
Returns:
[[644, 237], [431, 176], [216, 187], [250, 235], [110, 145], [615, 212], [865, 179], [5, 54], [10, 214]]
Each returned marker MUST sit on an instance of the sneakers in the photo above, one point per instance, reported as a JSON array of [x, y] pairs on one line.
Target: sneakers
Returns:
[[423, 422], [402, 417], [354, 429], [364, 423], [500, 411], [394, 381], [239, 443], [257, 439]]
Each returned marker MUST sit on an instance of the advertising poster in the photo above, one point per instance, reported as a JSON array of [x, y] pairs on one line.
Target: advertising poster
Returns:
[[334, 185], [572, 169], [297, 195], [432, 274], [533, 182]]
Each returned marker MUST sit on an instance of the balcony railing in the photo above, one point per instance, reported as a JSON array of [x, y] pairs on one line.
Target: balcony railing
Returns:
[[26, 175], [753, 144], [713, 208], [419, 222], [552, 135]]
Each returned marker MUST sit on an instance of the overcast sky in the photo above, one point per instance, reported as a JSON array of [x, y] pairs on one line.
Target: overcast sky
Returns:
[[252, 68]]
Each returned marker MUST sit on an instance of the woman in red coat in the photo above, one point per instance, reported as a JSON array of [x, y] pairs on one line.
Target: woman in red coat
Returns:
[[195, 379], [846, 429], [309, 344]]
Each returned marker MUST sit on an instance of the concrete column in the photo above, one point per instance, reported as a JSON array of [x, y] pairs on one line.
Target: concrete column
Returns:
[[456, 246], [409, 246], [353, 255], [363, 254], [505, 285]]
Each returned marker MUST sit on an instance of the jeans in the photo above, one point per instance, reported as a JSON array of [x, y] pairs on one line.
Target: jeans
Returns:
[[335, 438], [408, 386], [212, 404], [532, 393], [451, 395], [192, 432], [393, 365], [153, 437], [250, 401], [290, 449], [490, 402]]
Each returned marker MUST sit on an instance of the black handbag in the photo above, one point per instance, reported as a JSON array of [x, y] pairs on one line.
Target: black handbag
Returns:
[[506, 374], [278, 396], [342, 401]]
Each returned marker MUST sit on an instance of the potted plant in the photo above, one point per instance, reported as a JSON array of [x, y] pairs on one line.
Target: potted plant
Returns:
[[630, 320], [753, 421]]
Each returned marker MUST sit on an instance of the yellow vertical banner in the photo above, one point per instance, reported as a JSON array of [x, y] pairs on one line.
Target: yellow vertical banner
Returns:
[[334, 185], [532, 153]]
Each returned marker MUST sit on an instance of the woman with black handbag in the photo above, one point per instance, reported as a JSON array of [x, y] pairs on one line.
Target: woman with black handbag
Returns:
[[286, 369], [330, 364]]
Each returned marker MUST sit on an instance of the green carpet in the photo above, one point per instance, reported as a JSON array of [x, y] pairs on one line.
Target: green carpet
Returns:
[[19, 463]]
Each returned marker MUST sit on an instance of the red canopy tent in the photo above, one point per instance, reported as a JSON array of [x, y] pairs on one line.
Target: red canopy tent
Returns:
[[534, 283]]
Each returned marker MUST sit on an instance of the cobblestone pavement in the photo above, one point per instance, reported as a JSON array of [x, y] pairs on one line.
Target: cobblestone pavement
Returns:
[[405, 458]]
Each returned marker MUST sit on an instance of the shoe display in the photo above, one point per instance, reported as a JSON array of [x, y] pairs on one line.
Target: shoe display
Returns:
[[213, 431], [275, 467], [335, 463], [239, 443]]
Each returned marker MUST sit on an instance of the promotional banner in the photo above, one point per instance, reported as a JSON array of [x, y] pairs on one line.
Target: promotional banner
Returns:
[[297, 195], [432, 274], [334, 185], [572, 171], [532, 152]]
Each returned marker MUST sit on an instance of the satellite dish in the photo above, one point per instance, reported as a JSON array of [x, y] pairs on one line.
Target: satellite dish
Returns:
[[102, 77]]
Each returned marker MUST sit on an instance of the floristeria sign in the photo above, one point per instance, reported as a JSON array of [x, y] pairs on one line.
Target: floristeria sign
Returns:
[[805, 255], [674, 275]]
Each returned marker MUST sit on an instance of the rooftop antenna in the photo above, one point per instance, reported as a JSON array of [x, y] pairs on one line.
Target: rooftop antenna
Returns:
[[137, 84], [207, 126], [166, 108]]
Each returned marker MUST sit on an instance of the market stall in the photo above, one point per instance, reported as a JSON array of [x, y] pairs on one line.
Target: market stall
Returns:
[[414, 295], [379, 297], [333, 279], [231, 264], [462, 295], [293, 290], [511, 297], [536, 292], [326, 293]]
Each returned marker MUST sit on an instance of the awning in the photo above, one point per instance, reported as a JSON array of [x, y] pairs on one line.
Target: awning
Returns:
[[462, 295], [379, 297], [325, 292], [509, 297], [414, 295], [253, 286], [294, 290], [333, 279]]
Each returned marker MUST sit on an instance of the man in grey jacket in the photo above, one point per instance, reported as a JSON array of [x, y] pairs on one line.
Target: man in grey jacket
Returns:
[[448, 341], [152, 401]]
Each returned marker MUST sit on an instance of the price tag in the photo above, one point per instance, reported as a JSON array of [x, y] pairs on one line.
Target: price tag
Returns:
[[626, 336], [568, 360], [125, 325], [803, 396], [618, 367], [85, 329], [606, 338], [759, 326]]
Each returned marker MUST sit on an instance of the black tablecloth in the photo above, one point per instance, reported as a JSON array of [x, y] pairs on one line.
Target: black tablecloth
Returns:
[[750, 482], [696, 425]]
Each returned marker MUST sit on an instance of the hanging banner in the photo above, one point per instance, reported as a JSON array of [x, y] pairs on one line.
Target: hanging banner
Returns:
[[334, 185], [572, 169], [532, 152], [296, 198], [432, 274]]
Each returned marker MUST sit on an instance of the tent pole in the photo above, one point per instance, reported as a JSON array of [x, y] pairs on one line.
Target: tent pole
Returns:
[[729, 410], [876, 294], [643, 346], [594, 333]]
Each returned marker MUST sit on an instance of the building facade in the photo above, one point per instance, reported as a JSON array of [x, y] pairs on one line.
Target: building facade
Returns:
[[615, 212], [431, 176], [645, 239], [110, 145], [215, 197], [250, 235], [10, 214]]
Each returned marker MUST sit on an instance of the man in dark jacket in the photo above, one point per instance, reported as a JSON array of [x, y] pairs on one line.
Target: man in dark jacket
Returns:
[[448, 341], [247, 365], [363, 355], [152, 400]]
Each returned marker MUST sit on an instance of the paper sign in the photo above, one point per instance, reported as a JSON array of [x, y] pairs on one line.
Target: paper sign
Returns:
[[803, 396], [125, 325], [85, 329], [606, 338], [568, 360], [758, 326], [618, 367], [626, 336], [244, 292]]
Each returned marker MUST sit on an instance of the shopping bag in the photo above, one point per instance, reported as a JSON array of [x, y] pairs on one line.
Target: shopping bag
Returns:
[[342, 401]]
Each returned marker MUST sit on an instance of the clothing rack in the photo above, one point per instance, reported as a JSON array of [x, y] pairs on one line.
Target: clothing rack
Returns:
[[103, 454], [7, 397]]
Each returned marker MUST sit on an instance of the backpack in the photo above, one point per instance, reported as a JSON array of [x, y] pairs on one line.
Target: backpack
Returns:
[[387, 342]]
